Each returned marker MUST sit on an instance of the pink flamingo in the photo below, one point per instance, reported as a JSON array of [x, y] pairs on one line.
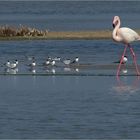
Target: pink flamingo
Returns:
[[126, 36]]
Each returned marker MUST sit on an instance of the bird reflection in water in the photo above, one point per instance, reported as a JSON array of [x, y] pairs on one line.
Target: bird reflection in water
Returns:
[[50, 71], [32, 70], [68, 69], [77, 70], [124, 85], [11, 71], [124, 71]]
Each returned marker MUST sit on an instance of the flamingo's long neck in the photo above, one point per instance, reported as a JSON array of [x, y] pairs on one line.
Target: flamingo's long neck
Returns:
[[114, 34]]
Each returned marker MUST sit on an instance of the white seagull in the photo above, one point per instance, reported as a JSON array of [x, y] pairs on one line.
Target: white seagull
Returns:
[[124, 61], [76, 60], [56, 58], [52, 63], [33, 64], [67, 61], [11, 65]]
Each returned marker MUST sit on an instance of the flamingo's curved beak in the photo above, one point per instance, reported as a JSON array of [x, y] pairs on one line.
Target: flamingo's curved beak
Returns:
[[113, 25]]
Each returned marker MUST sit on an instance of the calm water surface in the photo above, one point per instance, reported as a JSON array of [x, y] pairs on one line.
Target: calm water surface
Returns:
[[68, 106], [70, 15], [89, 52]]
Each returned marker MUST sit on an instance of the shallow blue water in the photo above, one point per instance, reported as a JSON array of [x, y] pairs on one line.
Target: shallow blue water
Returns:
[[69, 15], [89, 52], [69, 107]]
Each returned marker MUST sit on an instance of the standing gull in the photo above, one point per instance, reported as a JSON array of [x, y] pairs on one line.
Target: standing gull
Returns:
[[11, 65]]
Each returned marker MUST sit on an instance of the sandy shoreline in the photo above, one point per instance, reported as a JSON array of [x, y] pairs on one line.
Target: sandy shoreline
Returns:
[[104, 34], [67, 35]]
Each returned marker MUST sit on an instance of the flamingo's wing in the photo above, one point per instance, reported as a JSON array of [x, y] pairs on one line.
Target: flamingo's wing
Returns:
[[128, 34]]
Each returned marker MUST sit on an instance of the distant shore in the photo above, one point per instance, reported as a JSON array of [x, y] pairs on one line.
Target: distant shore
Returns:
[[66, 35]]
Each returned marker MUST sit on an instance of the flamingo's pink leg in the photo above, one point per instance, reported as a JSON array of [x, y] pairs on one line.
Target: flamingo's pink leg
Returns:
[[118, 70], [134, 59]]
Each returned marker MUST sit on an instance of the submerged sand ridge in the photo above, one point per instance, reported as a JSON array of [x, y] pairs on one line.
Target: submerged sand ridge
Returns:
[[52, 35], [35, 34], [103, 34]]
